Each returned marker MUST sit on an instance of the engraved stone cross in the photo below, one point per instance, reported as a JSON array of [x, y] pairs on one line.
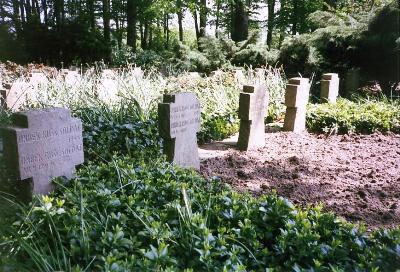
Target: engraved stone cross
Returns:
[[41, 145], [179, 121]]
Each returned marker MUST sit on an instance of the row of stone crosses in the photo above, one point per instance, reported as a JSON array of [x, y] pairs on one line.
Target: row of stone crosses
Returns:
[[43, 144]]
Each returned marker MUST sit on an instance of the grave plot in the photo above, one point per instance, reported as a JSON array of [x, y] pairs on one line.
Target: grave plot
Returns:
[[357, 177]]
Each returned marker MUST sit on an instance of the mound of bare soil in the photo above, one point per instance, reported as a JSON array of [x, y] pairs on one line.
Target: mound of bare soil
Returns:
[[355, 176]]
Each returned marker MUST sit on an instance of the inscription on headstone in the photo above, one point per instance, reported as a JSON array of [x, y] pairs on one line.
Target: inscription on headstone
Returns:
[[329, 87], [179, 121], [296, 99], [41, 145], [253, 103]]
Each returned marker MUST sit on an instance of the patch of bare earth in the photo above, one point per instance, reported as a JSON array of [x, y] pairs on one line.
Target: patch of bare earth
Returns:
[[357, 177]]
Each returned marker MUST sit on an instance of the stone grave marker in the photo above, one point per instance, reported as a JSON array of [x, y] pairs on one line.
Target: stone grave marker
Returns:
[[239, 75], [138, 73], [15, 96], [179, 121], [329, 87], [41, 145], [352, 81], [37, 78], [72, 77], [253, 103], [296, 99]]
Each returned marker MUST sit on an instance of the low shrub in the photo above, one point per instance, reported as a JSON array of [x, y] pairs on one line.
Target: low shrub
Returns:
[[362, 116], [215, 128], [127, 216]]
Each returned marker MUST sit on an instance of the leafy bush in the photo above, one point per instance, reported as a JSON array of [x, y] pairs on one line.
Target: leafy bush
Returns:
[[216, 128], [354, 117], [124, 216], [120, 131]]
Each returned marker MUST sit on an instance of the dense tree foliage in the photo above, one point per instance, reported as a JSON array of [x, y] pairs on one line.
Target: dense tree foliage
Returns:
[[73, 31]]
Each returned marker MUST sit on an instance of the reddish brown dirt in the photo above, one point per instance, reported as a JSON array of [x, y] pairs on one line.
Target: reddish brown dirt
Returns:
[[357, 176]]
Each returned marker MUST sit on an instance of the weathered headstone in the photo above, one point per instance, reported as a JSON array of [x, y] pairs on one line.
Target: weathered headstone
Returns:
[[41, 145], [329, 87], [37, 78], [253, 103], [179, 121], [138, 73], [352, 81], [296, 99], [72, 77], [239, 75], [16, 95]]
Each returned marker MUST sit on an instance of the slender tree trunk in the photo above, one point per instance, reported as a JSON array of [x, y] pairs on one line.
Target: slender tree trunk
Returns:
[[37, 8], [271, 21], [106, 28], [22, 8], [92, 19], [203, 17], [16, 18], [145, 35], [196, 25], [131, 13], [45, 14], [180, 19], [28, 9], [57, 11], [217, 18], [294, 16], [240, 24]]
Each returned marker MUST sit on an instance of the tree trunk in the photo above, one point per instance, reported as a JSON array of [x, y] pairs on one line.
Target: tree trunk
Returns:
[[57, 11], [131, 14], [106, 28], [294, 16], [92, 19], [45, 14], [16, 18], [203, 18], [180, 19], [217, 18], [22, 8], [28, 9], [271, 21], [240, 29], [196, 25]]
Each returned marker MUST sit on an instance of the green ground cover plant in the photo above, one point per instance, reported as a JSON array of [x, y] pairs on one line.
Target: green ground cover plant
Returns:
[[128, 216], [359, 116]]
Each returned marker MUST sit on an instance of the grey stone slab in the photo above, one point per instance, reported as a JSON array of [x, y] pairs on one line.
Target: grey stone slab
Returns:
[[42, 145], [295, 120], [253, 103], [17, 95], [179, 121], [329, 87], [352, 81]]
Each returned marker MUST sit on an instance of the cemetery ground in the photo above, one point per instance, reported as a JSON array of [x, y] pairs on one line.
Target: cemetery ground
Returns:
[[354, 176], [128, 209]]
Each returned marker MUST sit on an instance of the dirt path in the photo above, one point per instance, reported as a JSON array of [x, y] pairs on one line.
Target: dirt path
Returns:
[[357, 177]]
